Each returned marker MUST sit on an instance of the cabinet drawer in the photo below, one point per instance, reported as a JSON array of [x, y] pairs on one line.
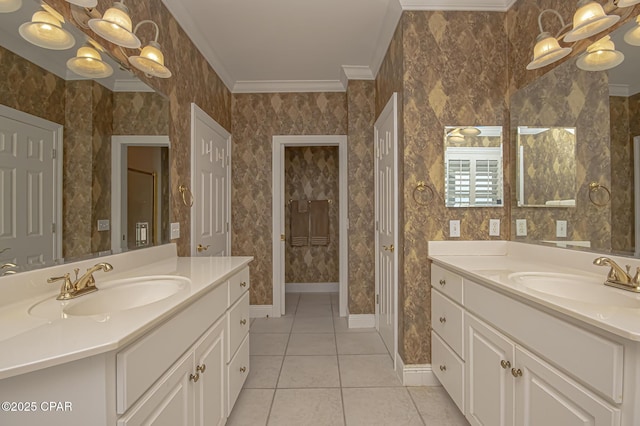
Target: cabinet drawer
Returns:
[[238, 284], [589, 358], [449, 369], [447, 320], [447, 282], [237, 373], [140, 364], [237, 324]]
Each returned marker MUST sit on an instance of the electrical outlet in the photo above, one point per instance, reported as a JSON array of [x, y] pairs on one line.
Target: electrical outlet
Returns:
[[175, 230], [454, 228], [494, 227], [103, 225], [561, 228], [521, 227]]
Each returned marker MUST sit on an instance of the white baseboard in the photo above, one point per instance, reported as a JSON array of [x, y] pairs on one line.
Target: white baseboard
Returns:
[[312, 287], [260, 311], [415, 374], [362, 321]]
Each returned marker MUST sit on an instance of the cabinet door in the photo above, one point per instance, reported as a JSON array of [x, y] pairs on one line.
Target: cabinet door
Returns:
[[211, 367], [169, 402], [545, 396], [489, 358]]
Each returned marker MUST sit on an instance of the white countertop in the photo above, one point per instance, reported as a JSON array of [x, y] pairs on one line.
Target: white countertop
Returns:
[[29, 343], [492, 264]]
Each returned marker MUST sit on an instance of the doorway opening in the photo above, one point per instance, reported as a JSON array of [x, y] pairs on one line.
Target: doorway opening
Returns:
[[281, 203], [139, 182]]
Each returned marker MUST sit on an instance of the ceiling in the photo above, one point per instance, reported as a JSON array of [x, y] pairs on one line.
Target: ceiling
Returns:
[[300, 45]]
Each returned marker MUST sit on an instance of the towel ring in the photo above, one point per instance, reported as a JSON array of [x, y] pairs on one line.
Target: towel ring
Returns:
[[184, 190], [595, 187], [421, 187]]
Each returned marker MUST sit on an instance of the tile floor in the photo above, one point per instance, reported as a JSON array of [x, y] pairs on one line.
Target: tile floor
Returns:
[[309, 368]]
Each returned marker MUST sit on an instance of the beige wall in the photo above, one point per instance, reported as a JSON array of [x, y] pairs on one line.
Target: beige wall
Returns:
[[311, 173]]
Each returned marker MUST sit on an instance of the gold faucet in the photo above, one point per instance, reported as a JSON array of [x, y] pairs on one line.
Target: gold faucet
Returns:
[[83, 285], [8, 266], [618, 277]]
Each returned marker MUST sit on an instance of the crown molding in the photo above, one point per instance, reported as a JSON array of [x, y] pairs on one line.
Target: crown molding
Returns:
[[358, 72], [288, 86], [619, 90], [479, 5], [182, 15]]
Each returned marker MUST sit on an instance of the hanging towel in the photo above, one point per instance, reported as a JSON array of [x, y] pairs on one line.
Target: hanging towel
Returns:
[[299, 222], [319, 222]]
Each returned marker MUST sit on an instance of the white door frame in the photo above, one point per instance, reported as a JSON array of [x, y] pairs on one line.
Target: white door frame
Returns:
[[279, 144], [58, 144], [198, 113], [636, 190], [119, 146], [390, 108]]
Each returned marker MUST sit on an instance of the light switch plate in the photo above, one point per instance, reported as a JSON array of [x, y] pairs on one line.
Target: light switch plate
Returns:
[[454, 228], [494, 227], [103, 225], [175, 230], [521, 227], [561, 228]]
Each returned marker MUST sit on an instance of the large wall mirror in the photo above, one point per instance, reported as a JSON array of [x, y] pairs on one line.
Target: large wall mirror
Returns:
[[595, 114], [473, 166], [56, 134]]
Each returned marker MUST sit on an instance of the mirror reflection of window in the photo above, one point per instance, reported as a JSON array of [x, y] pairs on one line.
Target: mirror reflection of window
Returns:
[[473, 166]]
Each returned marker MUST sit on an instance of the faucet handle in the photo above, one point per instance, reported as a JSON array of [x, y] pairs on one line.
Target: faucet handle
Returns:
[[67, 287], [636, 279]]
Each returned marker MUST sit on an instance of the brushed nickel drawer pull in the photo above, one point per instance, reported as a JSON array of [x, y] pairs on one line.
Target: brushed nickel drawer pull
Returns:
[[505, 364], [443, 282], [443, 368], [243, 369], [194, 377], [516, 372], [443, 320], [243, 321], [201, 368], [243, 284]]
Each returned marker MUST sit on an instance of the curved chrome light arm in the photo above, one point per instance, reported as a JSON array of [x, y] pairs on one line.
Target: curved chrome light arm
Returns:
[[148, 21], [555, 12]]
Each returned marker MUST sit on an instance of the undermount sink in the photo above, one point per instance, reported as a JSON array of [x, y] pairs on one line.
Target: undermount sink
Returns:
[[113, 296], [574, 287]]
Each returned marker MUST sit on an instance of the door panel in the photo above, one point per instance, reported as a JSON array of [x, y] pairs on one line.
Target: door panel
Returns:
[[211, 187], [28, 191], [386, 223]]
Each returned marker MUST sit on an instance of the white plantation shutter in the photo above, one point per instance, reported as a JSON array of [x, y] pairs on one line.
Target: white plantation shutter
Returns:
[[473, 177]]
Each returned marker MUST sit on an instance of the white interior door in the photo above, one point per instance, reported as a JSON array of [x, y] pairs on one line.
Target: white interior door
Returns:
[[29, 192], [386, 211], [211, 175]]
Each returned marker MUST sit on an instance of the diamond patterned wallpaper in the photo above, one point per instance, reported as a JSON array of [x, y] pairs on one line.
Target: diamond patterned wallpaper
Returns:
[[311, 173], [256, 119]]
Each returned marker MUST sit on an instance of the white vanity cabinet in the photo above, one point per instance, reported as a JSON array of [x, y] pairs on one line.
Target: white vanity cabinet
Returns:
[[523, 366], [201, 387]]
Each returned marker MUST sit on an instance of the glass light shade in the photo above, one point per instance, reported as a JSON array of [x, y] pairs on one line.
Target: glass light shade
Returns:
[[600, 56], [84, 3], [588, 20], [455, 136], [115, 26], [627, 3], [88, 63], [46, 31], [8, 6], [151, 61], [547, 51], [470, 131], [633, 35]]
